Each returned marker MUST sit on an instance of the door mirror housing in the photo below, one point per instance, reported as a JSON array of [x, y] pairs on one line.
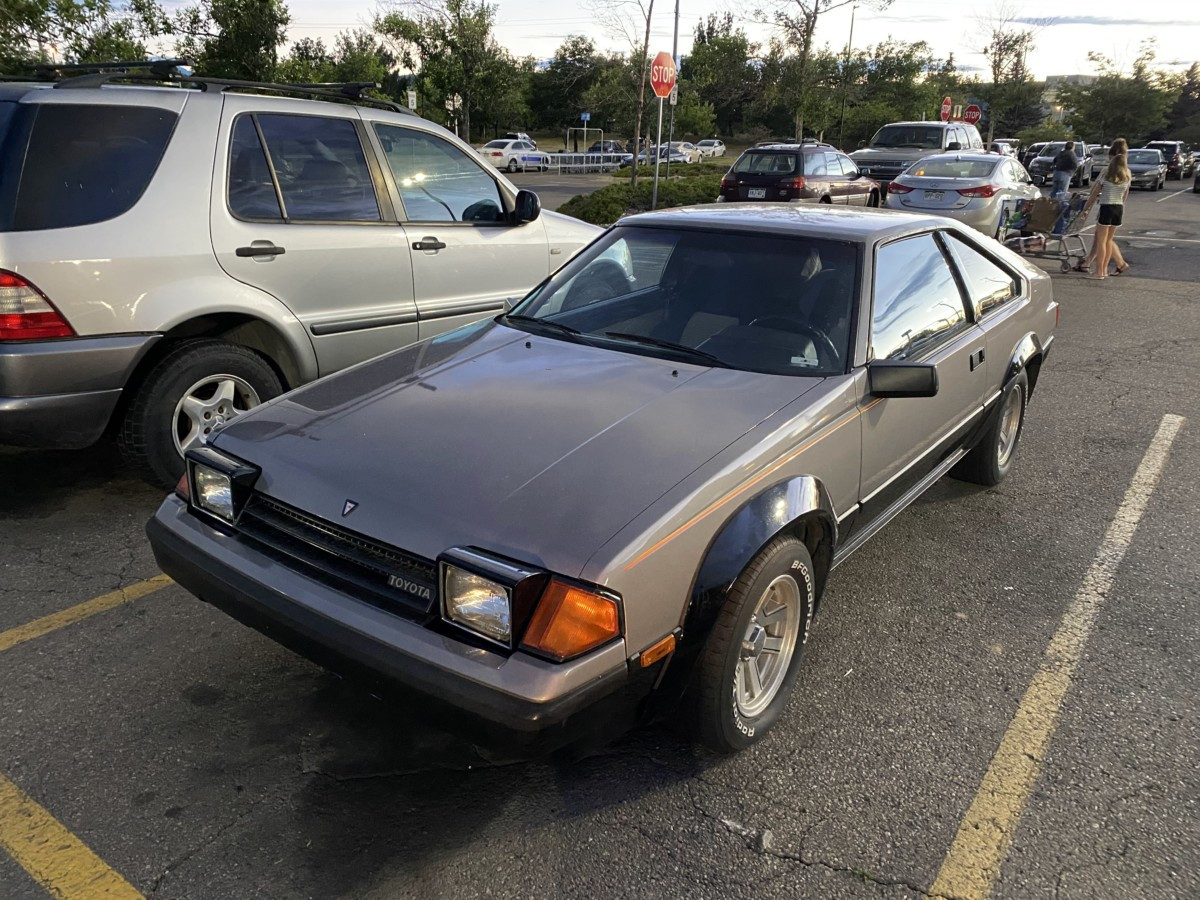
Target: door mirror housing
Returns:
[[902, 379], [861, 144], [526, 208], [954, 145]]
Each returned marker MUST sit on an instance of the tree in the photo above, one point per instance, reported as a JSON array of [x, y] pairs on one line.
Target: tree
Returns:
[[33, 31], [798, 20], [1133, 106], [232, 38], [1014, 100], [557, 92], [1183, 121], [721, 70]]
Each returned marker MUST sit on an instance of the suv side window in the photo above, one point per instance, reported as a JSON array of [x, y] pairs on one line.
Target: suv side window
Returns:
[[320, 168], [437, 181], [988, 285], [917, 301], [976, 142], [251, 188], [814, 164], [849, 169]]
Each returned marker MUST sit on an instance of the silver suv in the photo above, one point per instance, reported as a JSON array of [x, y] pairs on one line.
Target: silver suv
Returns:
[[900, 144], [174, 254]]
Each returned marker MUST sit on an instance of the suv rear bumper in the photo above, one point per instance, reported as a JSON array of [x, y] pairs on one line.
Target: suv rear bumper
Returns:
[[460, 687], [61, 394]]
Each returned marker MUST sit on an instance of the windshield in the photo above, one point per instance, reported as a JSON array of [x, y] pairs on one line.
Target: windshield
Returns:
[[952, 168], [767, 164], [1053, 149], [921, 137], [708, 143], [1144, 156], [779, 305], [498, 145]]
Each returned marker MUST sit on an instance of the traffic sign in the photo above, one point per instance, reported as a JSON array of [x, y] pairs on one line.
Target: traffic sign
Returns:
[[946, 104], [674, 100], [662, 75], [585, 117], [972, 114], [412, 99]]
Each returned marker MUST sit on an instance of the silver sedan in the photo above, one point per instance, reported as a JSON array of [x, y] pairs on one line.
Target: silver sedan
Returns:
[[969, 187]]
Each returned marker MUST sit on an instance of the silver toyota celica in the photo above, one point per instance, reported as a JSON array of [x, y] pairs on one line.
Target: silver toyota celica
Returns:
[[631, 488]]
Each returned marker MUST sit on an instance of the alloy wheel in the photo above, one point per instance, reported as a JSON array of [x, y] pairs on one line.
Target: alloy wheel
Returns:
[[210, 402], [768, 646], [1010, 424]]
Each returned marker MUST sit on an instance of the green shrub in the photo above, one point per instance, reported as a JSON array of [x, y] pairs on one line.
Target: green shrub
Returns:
[[605, 206]]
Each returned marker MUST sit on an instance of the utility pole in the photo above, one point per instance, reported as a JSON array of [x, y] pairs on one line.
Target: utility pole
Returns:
[[846, 77], [674, 56]]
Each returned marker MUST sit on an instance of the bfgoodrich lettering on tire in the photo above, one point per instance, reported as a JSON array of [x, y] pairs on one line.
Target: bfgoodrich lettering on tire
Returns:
[[752, 657]]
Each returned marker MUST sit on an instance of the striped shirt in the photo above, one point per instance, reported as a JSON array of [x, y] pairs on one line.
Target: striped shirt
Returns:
[[1112, 193]]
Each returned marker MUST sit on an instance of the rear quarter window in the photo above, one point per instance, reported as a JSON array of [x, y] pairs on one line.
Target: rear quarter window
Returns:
[[83, 164]]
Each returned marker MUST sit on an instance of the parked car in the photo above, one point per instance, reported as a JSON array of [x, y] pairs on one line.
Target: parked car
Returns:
[[1002, 148], [1196, 180], [514, 156], [637, 483], [897, 146], [145, 301], [606, 147], [798, 173], [1031, 153], [1013, 144], [1148, 168], [711, 147], [689, 150], [969, 187], [1041, 170], [1179, 157], [677, 157], [520, 136], [1099, 154]]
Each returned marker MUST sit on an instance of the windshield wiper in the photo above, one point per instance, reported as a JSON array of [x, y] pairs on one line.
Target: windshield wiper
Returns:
[[547, 324], [668, 345]]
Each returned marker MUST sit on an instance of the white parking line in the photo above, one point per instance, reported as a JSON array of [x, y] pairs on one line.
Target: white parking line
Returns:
[[1140, 237], [1169, 196]]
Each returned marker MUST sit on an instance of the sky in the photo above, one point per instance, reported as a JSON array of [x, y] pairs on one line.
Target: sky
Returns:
[[1114, 28]]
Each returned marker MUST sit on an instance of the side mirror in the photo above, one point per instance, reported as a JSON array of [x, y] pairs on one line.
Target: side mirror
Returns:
[[954, 145], [861, 144], [526, 208], [902, 379]]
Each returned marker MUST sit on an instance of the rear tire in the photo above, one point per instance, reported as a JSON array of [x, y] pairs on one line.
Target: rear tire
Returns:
[[149, 432], [873, 200], [512, 165], [991, 459], [764, 624]]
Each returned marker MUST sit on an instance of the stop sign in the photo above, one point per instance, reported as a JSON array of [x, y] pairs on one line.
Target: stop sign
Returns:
[[972, 114], [662, 74], [946, 104]]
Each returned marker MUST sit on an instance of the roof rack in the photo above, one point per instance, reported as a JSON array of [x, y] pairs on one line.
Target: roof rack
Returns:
[[166, 71]]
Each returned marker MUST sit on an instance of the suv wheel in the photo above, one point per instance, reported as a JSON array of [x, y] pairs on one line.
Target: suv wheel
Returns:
[[197, 386], [873, 200], [752, 658], [990, 460]]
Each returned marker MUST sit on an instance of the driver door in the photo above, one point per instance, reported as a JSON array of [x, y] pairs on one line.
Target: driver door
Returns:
[[466, 257]]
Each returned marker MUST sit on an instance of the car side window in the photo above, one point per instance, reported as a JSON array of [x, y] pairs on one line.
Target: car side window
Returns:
[[917, 301], [319, 166], [251, 188], [988, 285], [437, 181], [814, 164], [849, 169], [833, 165], [976, 139]]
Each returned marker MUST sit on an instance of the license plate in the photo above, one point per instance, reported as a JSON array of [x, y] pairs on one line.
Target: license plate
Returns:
[[935, 195], [756, 193]]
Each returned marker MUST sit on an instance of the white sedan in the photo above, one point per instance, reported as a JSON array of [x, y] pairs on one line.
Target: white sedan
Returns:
[[711, 148], [514, 156]]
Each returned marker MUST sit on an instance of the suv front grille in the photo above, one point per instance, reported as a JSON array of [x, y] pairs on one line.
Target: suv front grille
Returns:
[[384, 576]]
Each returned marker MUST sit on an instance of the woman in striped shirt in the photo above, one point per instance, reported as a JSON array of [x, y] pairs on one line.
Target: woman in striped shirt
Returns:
[[1112, 192]]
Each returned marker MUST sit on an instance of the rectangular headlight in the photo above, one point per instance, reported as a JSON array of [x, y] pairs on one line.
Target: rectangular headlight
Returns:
[[477, 603], [213, 492]]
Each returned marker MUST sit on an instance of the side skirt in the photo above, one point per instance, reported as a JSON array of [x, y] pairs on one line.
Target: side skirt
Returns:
[[897, 507]]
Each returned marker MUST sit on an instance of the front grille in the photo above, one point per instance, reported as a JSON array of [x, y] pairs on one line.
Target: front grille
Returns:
[[385, 576]]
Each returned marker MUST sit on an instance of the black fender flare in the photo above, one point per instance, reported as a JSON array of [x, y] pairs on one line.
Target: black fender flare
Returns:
[[1027, 348]]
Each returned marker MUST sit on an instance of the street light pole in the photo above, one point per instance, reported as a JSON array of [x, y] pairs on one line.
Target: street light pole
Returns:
[[846, 76]]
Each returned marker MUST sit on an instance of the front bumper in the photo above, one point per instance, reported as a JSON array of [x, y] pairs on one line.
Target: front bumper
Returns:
[[61, 394], [515, 706]]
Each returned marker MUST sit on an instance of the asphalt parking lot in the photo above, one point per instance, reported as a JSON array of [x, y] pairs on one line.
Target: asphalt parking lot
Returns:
[[150, 745]]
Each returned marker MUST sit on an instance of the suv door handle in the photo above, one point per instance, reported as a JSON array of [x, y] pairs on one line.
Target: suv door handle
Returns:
[[976, 359], [428, 244], [260, 248]]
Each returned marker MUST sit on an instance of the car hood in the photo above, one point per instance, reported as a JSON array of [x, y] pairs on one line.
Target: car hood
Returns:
[[869, 154], [1143, 168], [535, 448]]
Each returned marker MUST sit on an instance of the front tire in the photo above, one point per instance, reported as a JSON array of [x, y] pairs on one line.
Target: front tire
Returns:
[[991, 459], [195, 387], [750, 663], [512, 165]]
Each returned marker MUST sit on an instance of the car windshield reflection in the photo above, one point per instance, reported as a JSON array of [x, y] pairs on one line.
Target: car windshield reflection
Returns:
[[779, 305]]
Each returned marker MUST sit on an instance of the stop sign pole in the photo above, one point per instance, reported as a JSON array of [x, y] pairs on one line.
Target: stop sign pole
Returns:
[[662, 79]]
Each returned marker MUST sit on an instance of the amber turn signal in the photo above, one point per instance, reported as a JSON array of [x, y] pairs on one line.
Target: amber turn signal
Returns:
[[570, 620], [656, 651]]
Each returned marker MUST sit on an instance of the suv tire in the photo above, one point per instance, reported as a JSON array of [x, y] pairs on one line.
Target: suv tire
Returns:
[[770, 605], [147, 438], [991, 459]]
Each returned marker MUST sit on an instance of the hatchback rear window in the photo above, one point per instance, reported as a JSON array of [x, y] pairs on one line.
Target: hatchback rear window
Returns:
[[83, 164], [952, 168], [767, 164]]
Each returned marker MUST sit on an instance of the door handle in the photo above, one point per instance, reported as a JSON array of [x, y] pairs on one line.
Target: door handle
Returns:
[[260, 248], [976, 359], [428, 244]]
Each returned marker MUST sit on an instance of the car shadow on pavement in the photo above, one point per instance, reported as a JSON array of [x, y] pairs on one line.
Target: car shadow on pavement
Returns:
[[37, 483]]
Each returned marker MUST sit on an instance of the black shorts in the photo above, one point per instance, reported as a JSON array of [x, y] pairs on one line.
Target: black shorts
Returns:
[[1110, 214]]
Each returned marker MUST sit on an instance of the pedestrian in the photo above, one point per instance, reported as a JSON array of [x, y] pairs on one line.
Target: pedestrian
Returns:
[[1065, 165], [1112, 191]]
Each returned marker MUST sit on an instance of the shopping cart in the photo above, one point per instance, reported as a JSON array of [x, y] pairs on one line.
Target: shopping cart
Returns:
[[1049, 228]]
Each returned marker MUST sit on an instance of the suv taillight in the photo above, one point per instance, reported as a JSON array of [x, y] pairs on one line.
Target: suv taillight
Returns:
[[25, 312], [794, 185], [728, 182]]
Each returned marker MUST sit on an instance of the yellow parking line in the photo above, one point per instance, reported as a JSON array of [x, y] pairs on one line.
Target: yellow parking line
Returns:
[[981, 845], [54, 621], [55, 858]]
